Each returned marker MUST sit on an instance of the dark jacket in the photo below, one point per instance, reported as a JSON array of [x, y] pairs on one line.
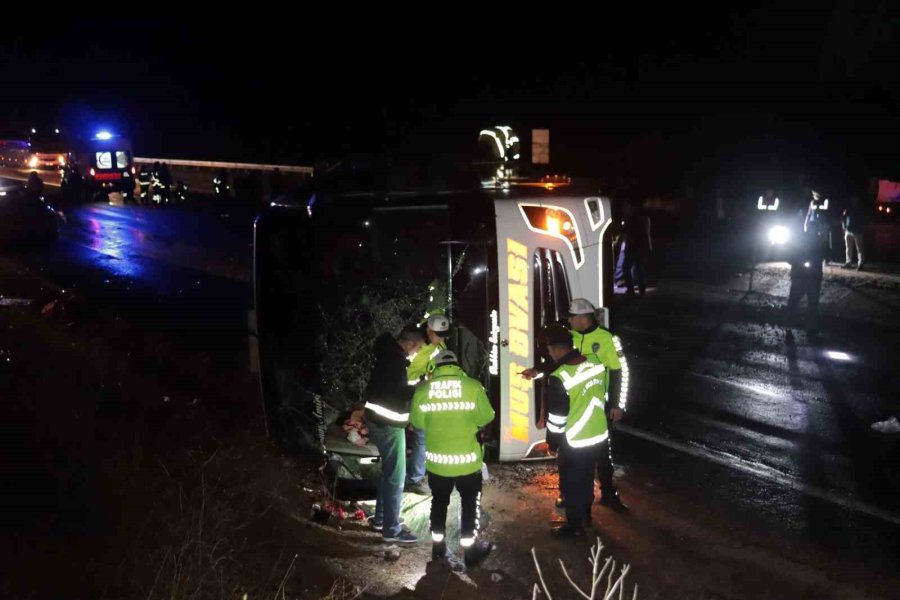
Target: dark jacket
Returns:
[[808, 254], [388, 394]]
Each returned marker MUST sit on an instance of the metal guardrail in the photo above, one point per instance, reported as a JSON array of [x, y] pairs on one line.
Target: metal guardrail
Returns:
[[231, 166]]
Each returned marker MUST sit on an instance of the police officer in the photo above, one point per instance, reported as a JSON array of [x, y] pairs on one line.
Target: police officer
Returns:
[[576, 425], [156, 194], [437, 329], [590, 339], [807, 254], [165, 182], [451, 408], [144, 183], [423, 364], [181, 192], [220, 183]]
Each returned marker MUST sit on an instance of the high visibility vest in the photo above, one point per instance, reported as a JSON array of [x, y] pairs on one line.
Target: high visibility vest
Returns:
[[608, 348], [600, 342], [450, 407], [585, 383], [422, 364]]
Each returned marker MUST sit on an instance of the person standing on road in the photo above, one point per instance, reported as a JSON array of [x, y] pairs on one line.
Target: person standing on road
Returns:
[[636, 248], [35, 185], [806, 259], [853, 223], [451, 408], [590, 339], [388, 399], [220, 184], [576, 425], [144, 181]]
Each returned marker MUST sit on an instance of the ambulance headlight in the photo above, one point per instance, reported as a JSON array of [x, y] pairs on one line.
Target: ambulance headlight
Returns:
[[779, 235]]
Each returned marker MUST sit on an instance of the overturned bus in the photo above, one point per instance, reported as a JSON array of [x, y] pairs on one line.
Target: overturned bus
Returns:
[[345, 260]]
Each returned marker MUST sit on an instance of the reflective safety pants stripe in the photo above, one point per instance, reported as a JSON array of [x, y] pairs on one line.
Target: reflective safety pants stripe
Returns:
[[469, 487]]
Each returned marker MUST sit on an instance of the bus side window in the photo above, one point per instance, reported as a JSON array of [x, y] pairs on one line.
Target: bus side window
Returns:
[[550, 291], [563, 294]]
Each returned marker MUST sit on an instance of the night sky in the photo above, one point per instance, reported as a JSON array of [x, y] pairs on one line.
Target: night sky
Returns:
[[664, 91]]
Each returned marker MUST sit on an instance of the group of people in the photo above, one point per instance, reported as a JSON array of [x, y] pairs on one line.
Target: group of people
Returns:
[[447, 411], [417, 384], [156, 186]]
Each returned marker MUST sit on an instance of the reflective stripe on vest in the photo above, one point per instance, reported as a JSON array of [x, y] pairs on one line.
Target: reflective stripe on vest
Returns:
[[387, 413], [555, 428], [445, 406], [571, 381], [451, 459], [597, 439]]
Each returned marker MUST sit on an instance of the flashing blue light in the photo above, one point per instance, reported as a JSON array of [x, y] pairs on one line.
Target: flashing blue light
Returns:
[[103, 135]]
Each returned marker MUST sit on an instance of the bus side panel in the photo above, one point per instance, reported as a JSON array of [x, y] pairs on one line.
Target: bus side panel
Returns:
[[520, 250], [515, 246]]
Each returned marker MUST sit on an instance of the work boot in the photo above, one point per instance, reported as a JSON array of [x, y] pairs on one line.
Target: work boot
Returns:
[[438, 550], [417, 487], [477, 551], [567, 531], [613, 502]]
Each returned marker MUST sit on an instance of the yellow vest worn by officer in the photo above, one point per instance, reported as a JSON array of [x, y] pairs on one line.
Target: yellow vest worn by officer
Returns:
[[600, 342], [583, 421], [422, 364], [451, 407], [605, 346]]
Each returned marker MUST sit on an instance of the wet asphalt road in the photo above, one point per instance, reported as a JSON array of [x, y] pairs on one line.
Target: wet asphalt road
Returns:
[[724, 414], [769, 435], [162, 267]]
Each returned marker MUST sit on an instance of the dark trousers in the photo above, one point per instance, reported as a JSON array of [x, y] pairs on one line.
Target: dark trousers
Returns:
[[605, 469], [809, 287], [469, 488], [576, 480], [633, 270]]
